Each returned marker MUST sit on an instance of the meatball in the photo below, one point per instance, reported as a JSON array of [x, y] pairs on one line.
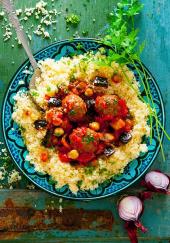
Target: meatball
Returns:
[[107, 105], [74, 106], [84, 140]]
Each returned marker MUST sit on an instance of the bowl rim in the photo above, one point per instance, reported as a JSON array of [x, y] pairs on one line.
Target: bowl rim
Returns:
[[55, 193]]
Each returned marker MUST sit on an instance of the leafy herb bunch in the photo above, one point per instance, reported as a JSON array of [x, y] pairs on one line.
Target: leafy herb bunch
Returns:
[[122, 38], [121, 34]]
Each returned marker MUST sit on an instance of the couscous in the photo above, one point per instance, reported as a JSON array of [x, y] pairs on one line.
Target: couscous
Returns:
[[92, 124]]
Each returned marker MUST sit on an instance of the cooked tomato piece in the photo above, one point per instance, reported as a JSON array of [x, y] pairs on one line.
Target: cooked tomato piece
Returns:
[[118, 124], [64, 142], [128, 125], [85, 157], [44, 156], [54, 116], [63, 157], [100, 148], [81, 86], [47, 97], [123, 110], [62, 153], [66, 125], [54, 140]]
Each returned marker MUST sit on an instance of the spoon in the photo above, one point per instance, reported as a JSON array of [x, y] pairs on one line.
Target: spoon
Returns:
[[10, 10]]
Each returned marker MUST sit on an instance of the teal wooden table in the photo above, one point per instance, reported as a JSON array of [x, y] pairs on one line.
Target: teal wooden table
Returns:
[[35, 216]]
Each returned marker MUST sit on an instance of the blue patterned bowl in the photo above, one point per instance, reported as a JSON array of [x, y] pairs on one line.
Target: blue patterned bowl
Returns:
[[18, 151]]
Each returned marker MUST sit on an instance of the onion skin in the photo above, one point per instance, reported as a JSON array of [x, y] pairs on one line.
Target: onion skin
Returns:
[[130, 209], [156, 181], [132, 231]]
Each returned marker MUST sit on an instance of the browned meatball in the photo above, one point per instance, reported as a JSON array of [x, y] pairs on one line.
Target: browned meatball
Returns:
[[74, 106], [107, 104], [84, 140]]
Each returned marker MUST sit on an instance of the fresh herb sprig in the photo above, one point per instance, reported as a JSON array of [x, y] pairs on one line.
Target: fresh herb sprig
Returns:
[[88, 139], [122, 38]]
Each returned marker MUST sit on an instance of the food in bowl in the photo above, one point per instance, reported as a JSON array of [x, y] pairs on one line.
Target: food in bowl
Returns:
[[92, 124]]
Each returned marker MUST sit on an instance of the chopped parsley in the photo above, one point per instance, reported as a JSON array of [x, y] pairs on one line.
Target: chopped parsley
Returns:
[[115, 102], [88, 139], [79, 46], [103, 170], [34, 93], [89, 170], [48, 89], [73, 19], [72, 112], [72, 77]]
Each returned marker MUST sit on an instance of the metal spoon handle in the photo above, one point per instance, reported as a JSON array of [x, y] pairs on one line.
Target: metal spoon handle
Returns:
[[10, 10]]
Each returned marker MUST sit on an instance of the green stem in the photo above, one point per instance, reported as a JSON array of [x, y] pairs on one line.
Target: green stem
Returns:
[[147, 95]]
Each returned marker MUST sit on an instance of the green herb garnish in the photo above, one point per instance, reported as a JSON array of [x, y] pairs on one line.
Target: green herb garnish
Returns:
[[103, 170], [88, 139], [121, 37], [89, 170], [79, 46], [115, 102], [34, 93], [72, 112], [73, 19], [48, 89]]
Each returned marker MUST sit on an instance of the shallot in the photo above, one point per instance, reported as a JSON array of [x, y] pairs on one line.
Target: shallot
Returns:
[[130, 209], [156, 181]]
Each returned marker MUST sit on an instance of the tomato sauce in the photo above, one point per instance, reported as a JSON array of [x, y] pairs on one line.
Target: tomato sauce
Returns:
[[74, 112]]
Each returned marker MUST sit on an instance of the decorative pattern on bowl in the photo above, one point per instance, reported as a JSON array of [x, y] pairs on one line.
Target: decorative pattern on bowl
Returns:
[[18, 151]]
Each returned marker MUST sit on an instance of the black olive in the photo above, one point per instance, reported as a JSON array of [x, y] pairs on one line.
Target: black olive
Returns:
[[54, 102], [40, 124], [90, 103], [100, 81], [46, 140], [125, 137], [109, 151], [74, 163]]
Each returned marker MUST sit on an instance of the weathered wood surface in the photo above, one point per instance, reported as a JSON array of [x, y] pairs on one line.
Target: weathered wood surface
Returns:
[[33, 216]]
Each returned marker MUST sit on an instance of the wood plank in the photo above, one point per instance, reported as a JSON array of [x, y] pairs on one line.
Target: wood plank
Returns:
[[29, 215]]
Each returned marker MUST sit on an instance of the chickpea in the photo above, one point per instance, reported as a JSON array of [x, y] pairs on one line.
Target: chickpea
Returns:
[[116, 78], [58, 131], [73, 154], [108, 137], [89, 92], [94, 126]]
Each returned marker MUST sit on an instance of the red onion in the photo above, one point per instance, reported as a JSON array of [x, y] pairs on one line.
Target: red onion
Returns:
[[130, 209], [156, 181]]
